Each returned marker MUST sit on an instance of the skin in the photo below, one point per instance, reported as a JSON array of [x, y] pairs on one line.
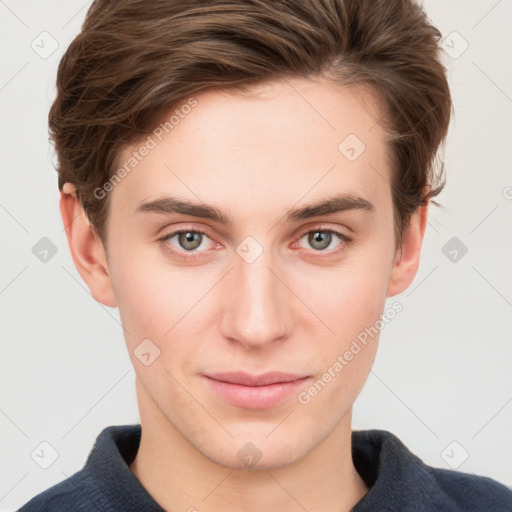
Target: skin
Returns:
[[254, 156]]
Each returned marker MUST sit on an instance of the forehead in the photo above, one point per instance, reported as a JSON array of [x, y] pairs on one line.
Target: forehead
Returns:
[[264, 148]]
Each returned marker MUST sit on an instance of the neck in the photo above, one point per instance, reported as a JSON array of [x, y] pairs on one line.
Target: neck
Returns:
[[179, 477]]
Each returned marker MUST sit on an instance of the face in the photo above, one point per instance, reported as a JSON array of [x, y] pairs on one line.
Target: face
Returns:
[[269, 284]]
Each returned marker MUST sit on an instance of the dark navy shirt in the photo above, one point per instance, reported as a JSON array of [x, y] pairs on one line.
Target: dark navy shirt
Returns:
[[398, 480]]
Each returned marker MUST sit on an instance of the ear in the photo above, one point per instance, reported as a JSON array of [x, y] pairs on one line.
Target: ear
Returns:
[[86, 247], [407, 257]]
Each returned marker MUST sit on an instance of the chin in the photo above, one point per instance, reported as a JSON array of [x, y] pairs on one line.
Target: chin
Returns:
[[257, 452], [274, 461]]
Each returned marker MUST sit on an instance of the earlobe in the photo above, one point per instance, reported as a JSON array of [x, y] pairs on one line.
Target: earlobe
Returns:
[[86, 248], [407, 258]]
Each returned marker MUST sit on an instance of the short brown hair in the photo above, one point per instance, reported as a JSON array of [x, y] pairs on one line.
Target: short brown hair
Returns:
[[134, 60]]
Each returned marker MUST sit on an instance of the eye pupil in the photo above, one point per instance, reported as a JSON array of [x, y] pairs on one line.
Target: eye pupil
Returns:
[[323, 239]]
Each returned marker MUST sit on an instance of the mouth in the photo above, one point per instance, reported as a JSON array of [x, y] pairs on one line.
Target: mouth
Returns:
[[255, 391]]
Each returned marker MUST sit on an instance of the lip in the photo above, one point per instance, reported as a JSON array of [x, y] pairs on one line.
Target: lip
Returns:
[[255, 391]]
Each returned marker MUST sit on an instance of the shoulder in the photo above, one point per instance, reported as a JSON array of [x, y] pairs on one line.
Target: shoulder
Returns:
[[472, 492], [399, 480], [77, 492], [103, 480]]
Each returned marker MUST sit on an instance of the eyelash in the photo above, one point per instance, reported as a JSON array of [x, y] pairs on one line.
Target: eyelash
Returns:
[[192, 256]]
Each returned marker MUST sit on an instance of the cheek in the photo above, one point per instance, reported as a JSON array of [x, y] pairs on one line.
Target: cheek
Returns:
[[352, 307], [350, 301], [347, 297], [158, 301]]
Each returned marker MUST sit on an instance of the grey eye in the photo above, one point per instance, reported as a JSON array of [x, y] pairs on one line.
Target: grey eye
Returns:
[[190, 240], [319, 239]]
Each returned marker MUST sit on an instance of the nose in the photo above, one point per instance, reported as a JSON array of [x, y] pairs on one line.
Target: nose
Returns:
[[256, 311]]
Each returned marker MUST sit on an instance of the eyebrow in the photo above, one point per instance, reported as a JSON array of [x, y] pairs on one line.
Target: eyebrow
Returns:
[[169, 204]]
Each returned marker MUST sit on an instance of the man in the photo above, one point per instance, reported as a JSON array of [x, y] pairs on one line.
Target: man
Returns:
[[248, 182]]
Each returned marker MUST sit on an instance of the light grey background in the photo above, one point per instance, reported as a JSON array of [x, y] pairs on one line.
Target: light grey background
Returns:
[[441, 380]]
